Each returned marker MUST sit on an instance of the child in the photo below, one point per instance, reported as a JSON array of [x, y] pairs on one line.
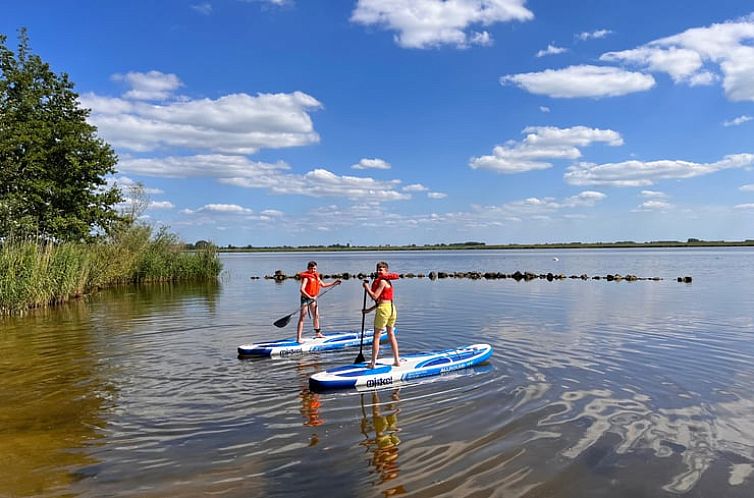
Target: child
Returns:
[[381, 291], [311, 283]]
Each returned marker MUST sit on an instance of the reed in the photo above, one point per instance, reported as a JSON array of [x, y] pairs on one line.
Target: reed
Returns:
[[37, 274]]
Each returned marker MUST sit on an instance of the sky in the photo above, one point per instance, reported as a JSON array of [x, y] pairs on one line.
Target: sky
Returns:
[[374, 122]]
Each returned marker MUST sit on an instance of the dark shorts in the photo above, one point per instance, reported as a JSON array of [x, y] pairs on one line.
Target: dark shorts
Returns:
[[306, 300]]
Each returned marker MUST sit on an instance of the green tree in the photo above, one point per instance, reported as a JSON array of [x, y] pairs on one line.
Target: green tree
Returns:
[[52, 164]]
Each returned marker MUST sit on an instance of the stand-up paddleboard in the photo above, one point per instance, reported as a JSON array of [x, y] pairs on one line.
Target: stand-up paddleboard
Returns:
[[333, 340], [412, 366]]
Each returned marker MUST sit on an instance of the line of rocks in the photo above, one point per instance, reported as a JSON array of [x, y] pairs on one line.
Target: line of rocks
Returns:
[[279, 276]]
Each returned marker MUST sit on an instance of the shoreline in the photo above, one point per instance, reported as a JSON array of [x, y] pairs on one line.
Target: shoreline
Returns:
[[488, 247]]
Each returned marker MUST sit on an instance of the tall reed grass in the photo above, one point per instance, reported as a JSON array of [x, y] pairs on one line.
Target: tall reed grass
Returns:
[[36, 274]]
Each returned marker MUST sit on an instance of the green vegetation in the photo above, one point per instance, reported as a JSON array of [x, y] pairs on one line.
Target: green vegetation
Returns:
[[52, 164], [61, 234], [34, 274], [482, 245]]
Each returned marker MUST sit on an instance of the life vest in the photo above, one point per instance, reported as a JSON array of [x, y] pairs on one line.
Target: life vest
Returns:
[[312, 284], [387, 293]]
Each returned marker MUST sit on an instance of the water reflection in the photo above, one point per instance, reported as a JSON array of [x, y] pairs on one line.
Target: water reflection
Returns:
[[311, 404], [380, 430]]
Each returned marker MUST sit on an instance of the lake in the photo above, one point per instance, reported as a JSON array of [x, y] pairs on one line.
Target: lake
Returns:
[[595, 387]]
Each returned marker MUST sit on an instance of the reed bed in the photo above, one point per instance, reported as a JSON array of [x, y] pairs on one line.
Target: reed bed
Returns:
[[36, 274]]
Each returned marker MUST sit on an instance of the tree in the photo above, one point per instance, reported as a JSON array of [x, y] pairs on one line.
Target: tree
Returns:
[[52, 164]]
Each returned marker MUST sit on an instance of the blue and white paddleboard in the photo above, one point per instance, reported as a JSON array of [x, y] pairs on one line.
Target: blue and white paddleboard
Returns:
[[332, 340], [412, 366]]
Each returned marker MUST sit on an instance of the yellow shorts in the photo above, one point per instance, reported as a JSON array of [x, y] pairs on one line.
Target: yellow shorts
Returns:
[[385, 315]]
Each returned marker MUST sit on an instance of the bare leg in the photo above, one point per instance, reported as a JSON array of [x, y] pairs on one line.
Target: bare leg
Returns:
[[394, 345], [375, 347], [300, 327], [315, 319]]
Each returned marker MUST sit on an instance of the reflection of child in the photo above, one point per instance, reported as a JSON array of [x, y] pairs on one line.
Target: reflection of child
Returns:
[[385, 442], [310, 406]]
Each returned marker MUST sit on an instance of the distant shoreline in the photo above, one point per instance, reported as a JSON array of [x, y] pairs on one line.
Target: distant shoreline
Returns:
[[477, 246]]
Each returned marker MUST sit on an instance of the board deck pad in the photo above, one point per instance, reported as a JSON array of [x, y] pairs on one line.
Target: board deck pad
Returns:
[[333, 340], [412, 366]]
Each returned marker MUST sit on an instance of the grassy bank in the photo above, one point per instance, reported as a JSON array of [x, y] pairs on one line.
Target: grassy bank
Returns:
[[34, 274]]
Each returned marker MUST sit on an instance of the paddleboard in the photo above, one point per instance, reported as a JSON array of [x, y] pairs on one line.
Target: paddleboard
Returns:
[[333, 340], [412, 366]]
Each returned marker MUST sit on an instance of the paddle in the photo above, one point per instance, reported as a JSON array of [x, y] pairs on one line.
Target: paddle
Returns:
[[360, 358], [282, 322]]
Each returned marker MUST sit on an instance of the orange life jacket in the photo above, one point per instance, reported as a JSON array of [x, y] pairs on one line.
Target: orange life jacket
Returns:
[[312, 284], [387, 292]]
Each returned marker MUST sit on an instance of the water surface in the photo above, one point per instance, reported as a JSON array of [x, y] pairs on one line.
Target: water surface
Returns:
[[595, 388]]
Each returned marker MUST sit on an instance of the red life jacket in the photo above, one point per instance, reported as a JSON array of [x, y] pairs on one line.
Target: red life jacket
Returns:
[[313, 283], [387, 292]]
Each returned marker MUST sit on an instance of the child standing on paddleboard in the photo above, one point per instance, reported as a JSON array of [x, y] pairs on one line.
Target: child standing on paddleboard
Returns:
[[311, 283], [381, 291]]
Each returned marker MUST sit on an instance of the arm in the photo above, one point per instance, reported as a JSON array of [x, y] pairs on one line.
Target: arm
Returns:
[[376, 294]]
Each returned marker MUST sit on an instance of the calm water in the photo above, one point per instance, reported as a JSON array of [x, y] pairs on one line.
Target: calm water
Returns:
[[596, 388]]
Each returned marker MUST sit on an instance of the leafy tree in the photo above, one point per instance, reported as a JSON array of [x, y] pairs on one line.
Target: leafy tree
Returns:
[[52, 164]]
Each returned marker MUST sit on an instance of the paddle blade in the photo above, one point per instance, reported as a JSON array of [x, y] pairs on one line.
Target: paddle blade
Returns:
[[360, 358], [282, 322]]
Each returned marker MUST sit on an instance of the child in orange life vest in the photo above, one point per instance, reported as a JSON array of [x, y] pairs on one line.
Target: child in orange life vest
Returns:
[[311, 283], [381, 291]]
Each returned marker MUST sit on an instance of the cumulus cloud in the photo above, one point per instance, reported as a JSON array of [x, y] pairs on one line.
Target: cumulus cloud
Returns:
[[551, 50], [745, 206], [747, 188], [654, 205], [236, 123], [415, 187], [372, 164], [219, 209], [204, 8], [692, 56], [737, 121], [152, 85], [436, 195], [593, 35], [640, 174], [431, 23], [541, 146], [652, 194], [161, 205], [581, 81], [274, 177]]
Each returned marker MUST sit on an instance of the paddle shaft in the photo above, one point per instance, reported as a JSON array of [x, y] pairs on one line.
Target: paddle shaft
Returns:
[[360, 358]]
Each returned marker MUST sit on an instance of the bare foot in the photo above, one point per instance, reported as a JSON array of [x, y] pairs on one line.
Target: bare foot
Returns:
[[370, 366], [319, 336]]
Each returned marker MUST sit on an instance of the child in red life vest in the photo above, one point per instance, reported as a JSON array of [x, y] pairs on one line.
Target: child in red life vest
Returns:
[[311, 283], [381, 291]]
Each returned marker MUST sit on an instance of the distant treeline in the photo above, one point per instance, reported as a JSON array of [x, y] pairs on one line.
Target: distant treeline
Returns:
[[481, 245]]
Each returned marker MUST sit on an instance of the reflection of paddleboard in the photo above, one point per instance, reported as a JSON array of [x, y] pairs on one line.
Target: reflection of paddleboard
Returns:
[[412, 366], [332, 340]]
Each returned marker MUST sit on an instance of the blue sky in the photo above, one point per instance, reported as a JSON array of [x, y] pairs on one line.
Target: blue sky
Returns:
[[418, 121]]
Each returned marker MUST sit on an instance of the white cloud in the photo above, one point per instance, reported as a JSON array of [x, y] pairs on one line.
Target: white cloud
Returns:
[[639, 174], [431, 23], [237, 123], [544, 108], [691, 56], [220, 209], [654, 205], [541, 146], [203, 8], [372, 164], [436, 195], [581, 81], [161, 205], [745, 206], [127, 183], [652, 194], [737, 121], [747, 188], [551, 50], [242, 172], [415, 187], [153, 85], [591, 35]]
